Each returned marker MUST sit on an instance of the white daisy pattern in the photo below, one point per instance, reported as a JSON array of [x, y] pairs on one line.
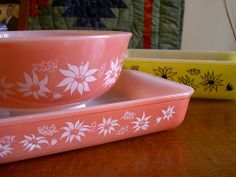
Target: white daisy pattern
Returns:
[[141, 123], [31, 142], [77, 78], [34, 87], [5, 88], [74, 131], [5, 150], [112, 74], [168, 114], [107, 126]]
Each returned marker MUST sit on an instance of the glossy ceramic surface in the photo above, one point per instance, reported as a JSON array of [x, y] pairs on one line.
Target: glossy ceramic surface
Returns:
[[138, 104], [211, 74], [53, 68]]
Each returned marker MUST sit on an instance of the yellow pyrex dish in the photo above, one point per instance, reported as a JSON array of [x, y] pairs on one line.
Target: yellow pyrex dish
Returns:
[[211, 74]]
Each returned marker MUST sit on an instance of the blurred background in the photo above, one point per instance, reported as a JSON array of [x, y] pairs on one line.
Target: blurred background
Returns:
[[159, 24]]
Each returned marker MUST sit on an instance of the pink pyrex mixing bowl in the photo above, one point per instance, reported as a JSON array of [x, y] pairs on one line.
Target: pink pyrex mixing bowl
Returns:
[[52, 68]]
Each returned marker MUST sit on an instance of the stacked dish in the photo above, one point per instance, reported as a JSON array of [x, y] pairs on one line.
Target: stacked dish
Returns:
[[53, 74], [41, 69]]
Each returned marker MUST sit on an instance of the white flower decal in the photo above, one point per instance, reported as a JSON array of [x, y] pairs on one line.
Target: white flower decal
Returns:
[[53, 142], [77, 78], [141, 123], [47, 130], [107, 126], [128, 115], [56, 95], [46, 66], [112, 74], [7, 139], [33, 86], [5, 88], [74, 131], [102, 70], [158, 119], [168, 114], [123, 130], [32, 142], [5, 150], [93, 126]]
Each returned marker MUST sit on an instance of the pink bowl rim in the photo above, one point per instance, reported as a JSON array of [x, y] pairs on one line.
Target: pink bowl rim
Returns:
[[40, 35]]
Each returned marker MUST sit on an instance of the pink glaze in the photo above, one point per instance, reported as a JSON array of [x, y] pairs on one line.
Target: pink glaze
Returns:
[[138, 104], [53, 68]]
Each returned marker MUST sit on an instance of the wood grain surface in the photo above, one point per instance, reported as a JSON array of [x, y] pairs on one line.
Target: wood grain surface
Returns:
[[203, 145]]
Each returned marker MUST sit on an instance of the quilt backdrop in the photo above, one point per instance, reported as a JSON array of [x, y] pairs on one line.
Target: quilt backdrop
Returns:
[[154, 23]]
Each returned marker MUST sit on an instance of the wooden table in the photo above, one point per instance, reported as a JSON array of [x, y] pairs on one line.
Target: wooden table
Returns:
[[204, 145]]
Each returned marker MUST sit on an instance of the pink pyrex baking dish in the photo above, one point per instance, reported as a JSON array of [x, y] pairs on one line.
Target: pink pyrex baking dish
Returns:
[[138, 104]]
